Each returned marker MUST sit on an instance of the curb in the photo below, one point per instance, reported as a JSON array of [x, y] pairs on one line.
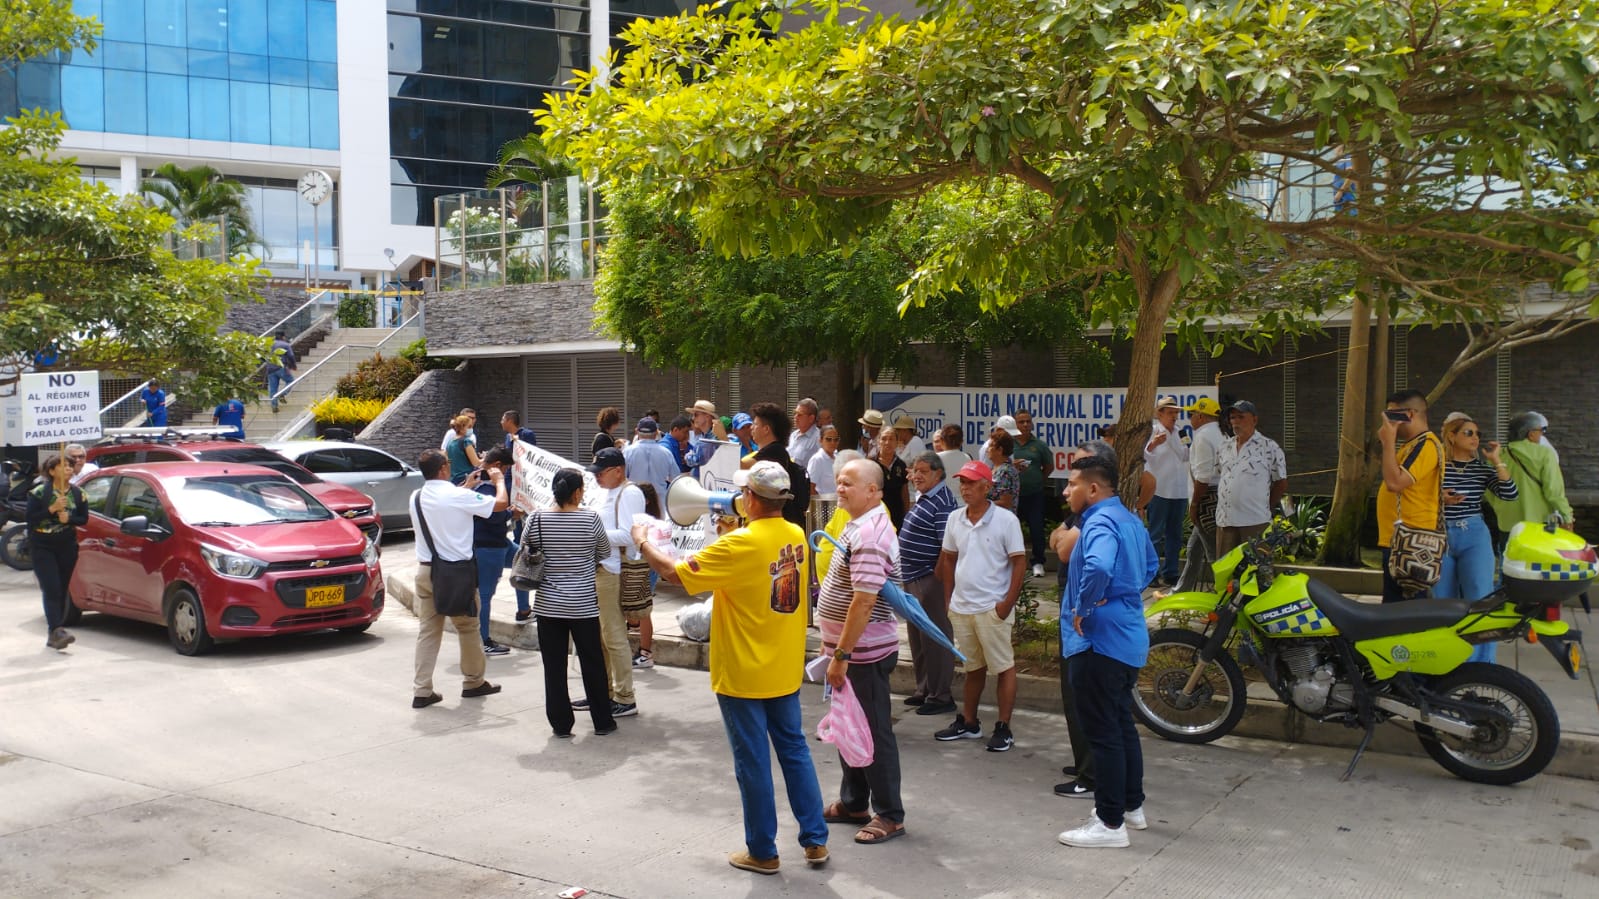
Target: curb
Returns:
[[1264, 719]]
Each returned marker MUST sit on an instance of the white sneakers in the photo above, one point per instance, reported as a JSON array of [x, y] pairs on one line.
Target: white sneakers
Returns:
[[1095, 835], [1038, 570]]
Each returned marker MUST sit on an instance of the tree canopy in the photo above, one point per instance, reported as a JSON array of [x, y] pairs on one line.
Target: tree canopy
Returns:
[[202, 194], [1114, 143]]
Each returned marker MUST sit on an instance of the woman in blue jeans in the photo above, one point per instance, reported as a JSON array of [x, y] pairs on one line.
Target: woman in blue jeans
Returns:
[[491, 549], [1468, 567]]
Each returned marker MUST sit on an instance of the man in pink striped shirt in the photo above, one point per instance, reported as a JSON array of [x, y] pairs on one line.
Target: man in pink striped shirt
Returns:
[[860, 634]]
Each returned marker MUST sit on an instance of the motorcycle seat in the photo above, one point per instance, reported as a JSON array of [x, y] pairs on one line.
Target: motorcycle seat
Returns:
[[1368, 621]]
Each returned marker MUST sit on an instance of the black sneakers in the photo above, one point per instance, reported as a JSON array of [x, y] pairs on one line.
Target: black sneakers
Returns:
[[961, 730], [1001, 741], [1075, 788]]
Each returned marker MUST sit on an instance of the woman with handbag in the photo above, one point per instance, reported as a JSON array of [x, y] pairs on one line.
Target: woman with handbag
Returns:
[[573, 544], [1468, 565]]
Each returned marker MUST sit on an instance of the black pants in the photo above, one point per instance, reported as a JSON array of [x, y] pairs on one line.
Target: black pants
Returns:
[[584, 634], [1030, 509], [1104, 691], [1082, 750], [876, 785], [53, 562]]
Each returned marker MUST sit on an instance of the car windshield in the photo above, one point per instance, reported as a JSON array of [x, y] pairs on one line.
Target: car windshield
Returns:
[[262, 457], [238, 500]]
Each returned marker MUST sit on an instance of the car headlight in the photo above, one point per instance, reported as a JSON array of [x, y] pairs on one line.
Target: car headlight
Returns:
[[231, 564], [370, 554]]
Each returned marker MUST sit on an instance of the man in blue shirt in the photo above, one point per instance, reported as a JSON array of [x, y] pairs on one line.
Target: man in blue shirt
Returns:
[[677, 442], [1104, 641], [649, 462], [155, 405], [230, 415], [920, 539]]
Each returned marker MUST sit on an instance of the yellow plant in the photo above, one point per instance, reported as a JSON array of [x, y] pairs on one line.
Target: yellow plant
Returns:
[[343, 410]]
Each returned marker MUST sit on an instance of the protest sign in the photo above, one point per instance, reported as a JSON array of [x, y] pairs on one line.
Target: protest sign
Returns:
[[60, 407], [1063, 417]]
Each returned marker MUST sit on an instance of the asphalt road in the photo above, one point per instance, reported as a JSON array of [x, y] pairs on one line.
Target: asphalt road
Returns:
[[296, 767]]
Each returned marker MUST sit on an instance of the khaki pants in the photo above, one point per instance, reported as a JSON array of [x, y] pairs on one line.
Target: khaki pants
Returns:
[[430, 632], [613, 633]]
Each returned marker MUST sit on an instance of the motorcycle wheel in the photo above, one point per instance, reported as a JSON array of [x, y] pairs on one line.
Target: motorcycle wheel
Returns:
[[1211, 712], [1498, 756], [14, 547]]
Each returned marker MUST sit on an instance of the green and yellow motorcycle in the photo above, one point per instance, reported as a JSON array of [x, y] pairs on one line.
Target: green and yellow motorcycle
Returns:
[[1339, 660]]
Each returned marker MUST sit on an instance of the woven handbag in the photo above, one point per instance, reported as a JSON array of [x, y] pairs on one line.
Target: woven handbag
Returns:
[[1416, 555]]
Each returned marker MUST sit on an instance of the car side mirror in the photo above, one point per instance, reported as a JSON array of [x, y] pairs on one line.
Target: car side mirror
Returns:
[[139, 526]]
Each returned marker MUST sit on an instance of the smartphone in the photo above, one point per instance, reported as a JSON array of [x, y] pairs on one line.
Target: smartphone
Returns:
[[1398, 416]]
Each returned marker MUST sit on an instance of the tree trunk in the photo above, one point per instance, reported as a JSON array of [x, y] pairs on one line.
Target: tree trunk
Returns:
[[1341, 541], [851, 402], [1143, 379]]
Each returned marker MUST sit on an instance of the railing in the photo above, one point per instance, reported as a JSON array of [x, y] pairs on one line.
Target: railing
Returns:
[[303, 420], [303, 316], [128, 405], [517, 235]]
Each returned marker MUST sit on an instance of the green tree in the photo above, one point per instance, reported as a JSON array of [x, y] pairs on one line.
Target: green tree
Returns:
[[201, 194], [30, 28], [1133, 128]]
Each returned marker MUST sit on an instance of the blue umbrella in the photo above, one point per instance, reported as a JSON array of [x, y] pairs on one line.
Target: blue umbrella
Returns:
[[903, 604]]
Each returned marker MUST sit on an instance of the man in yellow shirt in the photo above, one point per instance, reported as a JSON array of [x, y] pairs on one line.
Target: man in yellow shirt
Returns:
[[1412, 478], [759, 578]]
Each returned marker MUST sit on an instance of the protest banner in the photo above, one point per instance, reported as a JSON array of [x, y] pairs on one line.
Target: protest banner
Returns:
[[1063, 417], [60, 407]]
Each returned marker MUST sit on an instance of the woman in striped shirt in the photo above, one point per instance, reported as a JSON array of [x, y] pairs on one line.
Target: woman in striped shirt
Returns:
[[1468, 568], [566, 604]]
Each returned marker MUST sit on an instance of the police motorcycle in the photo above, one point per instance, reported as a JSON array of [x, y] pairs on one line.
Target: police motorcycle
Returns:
[[1339, 660]]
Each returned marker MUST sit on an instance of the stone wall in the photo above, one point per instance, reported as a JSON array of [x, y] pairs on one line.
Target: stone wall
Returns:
[[514, 315], [254, 318], [418, 418]]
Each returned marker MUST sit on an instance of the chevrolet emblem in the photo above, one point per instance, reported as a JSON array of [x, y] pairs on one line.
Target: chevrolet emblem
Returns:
[[350, 514], [321, 563]]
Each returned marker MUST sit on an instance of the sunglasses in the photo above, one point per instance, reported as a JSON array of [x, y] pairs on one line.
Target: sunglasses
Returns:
[[1467, 432]]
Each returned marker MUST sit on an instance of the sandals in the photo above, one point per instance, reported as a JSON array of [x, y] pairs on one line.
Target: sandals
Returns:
[[879, 830], [838, 814]]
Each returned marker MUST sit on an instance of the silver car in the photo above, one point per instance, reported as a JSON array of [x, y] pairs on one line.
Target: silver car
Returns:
[[368, 469]]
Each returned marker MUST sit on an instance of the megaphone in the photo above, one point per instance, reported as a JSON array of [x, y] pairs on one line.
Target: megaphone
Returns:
[[687, 499]]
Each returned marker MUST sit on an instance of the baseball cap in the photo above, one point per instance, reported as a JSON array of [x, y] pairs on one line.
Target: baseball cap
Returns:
[[1008, 422], [1244, 406], [1204, 406], [975, 471], [610, 457], [1168, 402], [767, 479], [647, 425], [741, 419]]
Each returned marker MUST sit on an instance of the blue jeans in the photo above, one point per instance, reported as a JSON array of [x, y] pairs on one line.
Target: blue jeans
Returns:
[[522, 603], [1166, 530], [280, 377], [1468, 570], [1103, 688], [750, 723], [490, 562]]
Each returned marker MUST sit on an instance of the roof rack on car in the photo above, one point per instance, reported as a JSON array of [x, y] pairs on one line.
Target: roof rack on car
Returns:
[[166, 435]]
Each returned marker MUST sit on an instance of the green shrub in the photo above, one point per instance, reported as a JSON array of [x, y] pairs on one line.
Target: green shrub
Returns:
[[379, 378], [357, 310], [418, 352], [346, 412]]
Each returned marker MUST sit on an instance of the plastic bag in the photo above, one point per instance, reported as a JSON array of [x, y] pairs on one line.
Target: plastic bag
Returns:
[[695, 621], [845, 727]]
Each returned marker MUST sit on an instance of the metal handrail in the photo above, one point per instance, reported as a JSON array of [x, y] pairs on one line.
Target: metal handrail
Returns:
[[285, 319], [329, 357], [126, 396]]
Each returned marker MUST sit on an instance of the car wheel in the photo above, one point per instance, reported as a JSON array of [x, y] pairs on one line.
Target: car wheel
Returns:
[[186, 624]]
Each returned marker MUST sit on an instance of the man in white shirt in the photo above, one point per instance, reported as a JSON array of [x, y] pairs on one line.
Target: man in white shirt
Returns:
[[622, 501], [1204, 466], [447, 511], [982, 564], [1166, 457], [806, 438], [820, 469], [1253, 480], [471, 430], [911, 444]]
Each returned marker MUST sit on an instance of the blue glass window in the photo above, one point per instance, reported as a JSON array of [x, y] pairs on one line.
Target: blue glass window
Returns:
[[245, 67], [87, 7], [247, 26], [208, 25], [286, 28], [83, 97], [124, 103], [165, 23], [208, 64], [167, 105], [324, 74], [324, 119], [121, 55], [168, 60], [123, 20], [39, 86], [321, 31], [291, 116], [208, 109], [249, 113], [289, 71]]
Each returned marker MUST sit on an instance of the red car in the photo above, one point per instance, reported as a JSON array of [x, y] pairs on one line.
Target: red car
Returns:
[[215, 550], [346, 502]]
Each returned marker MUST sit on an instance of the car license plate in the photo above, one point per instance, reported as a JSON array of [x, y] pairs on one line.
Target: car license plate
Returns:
[[317, 597]]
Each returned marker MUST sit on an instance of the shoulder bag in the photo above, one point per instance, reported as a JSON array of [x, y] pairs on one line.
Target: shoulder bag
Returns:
[[527, 567], [1416, 555], [454, 583]]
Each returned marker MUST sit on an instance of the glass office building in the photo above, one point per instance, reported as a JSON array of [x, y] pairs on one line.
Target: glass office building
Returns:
[[239, 71]]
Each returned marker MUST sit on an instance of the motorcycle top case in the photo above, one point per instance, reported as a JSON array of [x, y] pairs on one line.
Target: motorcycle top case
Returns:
[[1286, 610], [1544, 565]]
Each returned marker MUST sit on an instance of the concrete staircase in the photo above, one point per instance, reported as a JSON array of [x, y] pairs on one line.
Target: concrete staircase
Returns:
[[347, 347]]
